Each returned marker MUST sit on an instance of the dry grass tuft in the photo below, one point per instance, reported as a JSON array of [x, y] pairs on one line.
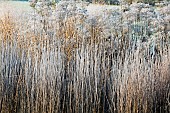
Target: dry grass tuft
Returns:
[[62, 69], [7, 27]]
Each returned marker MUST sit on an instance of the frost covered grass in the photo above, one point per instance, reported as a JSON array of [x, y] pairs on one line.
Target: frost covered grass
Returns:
[[66, 60]]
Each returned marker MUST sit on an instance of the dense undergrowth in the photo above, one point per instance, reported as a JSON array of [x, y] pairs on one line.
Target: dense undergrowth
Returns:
[[75, 63]]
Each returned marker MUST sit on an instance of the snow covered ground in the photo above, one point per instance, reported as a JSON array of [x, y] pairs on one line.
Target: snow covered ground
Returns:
[[15, 7], [94, 9]]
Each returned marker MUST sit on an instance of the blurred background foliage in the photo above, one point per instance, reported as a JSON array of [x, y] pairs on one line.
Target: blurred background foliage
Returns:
[[112, 2]]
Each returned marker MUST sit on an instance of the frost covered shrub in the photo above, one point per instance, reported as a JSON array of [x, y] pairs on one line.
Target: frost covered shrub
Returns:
[[111, 62]]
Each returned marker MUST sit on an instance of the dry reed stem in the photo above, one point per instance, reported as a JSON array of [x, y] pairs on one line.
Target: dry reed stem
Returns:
[[37, 77]]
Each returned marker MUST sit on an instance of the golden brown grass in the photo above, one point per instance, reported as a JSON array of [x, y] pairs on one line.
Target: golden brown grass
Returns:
[[7, 27], [36, 77]]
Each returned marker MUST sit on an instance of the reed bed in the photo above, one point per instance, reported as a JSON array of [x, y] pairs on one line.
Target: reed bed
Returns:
[[53, 67]]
